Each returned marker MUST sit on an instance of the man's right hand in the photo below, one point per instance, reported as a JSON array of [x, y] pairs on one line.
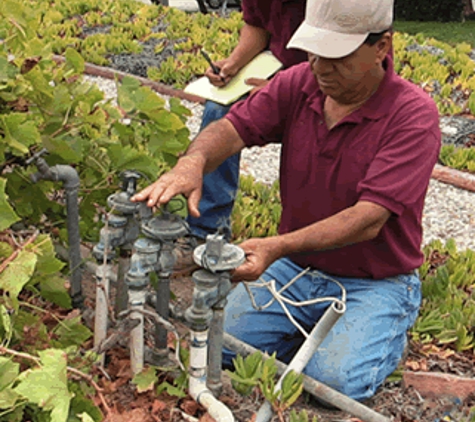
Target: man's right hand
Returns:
[[227, 71], [185, 178]]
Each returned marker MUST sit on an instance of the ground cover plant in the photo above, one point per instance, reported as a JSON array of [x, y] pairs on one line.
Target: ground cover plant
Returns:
[[47, 370], [163, 44]]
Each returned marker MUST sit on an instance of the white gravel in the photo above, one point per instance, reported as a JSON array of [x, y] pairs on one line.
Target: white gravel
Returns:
[[449, 212]]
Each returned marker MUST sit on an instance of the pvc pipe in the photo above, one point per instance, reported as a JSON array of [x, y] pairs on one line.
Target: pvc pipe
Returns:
[[197, 384], [137, 349], [312, 386], [306, 351], [102, 311]]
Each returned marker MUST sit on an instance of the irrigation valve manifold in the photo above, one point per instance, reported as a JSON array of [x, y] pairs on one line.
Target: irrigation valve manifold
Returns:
[[205, 319], [153, 252], [120, 230]]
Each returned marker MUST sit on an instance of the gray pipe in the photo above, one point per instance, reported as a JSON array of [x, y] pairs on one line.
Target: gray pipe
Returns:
[[306, 351], [315, 388], [70, 179], [215, 351]]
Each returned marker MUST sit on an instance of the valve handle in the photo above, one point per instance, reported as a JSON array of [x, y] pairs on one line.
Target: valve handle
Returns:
[[36, 155], [129, 181]]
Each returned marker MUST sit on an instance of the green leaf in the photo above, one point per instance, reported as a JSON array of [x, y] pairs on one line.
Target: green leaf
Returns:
[[17, 274], [85, 417], [8, 216], [81, 404], [74, 60], [126, 93], [9, 371], [146, 379], [47, 386], [54, 290], [127, 158], [5, 323], [165, 120], [147, 101], [47, 262], [69, 149], [71, 332], [170, 389]]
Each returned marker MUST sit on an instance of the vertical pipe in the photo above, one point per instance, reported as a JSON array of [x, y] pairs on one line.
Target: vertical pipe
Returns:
[[215, 347], [101, 314], [74, 245], [162, 306], [121, 297], [137, 302]]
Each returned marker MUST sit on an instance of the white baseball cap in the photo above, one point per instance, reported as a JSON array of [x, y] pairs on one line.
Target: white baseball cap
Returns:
[[336, 28]]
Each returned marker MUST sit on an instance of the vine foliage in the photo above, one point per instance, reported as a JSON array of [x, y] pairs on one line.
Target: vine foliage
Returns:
[[45, 104]]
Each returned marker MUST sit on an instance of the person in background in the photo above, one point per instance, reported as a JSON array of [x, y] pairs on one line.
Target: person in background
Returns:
[[267, 25], [358, 147]]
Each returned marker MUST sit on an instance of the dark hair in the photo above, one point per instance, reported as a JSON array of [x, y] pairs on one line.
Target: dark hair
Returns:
[[374, 37]]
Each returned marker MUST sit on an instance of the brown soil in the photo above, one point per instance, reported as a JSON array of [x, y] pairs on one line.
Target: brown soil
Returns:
[[392, 399]]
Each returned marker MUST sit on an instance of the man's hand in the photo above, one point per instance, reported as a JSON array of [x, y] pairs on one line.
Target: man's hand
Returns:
[[227, 71], [257, 83], [185, 178], [260, 254]]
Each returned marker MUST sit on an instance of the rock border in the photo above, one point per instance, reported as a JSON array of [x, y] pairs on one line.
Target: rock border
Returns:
[[457, 178]]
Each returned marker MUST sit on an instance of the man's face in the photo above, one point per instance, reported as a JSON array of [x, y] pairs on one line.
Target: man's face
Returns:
[[343, 78]]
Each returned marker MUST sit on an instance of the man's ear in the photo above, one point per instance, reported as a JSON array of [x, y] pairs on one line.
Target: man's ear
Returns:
[[383, 46]]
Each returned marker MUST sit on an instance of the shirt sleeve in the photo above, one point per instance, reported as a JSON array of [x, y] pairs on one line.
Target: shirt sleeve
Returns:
[[251, 13], [399, 174], [262, 118]]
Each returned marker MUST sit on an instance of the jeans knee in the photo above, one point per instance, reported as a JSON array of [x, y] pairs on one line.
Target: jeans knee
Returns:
[[212, 112]]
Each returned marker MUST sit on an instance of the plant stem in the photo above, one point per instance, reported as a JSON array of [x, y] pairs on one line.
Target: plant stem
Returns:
[[12, 257]]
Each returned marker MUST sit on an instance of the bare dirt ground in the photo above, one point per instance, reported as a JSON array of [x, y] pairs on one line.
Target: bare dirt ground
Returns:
[[392, 400]]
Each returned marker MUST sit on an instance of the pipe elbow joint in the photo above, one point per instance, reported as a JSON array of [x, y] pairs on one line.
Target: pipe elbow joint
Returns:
[[217, 410], [66, 174]]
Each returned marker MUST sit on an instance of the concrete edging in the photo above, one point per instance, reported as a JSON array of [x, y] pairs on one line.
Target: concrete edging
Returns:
[[441, 173]]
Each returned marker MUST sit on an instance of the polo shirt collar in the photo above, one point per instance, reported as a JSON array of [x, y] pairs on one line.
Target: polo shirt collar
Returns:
[[378, 105]]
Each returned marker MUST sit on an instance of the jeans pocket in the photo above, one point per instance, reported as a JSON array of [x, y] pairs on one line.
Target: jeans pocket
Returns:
[[411, 290]]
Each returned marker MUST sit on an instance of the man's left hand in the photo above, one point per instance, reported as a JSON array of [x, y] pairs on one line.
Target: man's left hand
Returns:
[[260, 254], [257, 83]]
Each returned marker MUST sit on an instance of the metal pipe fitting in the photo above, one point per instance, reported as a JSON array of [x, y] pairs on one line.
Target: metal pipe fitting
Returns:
[[70, 180]]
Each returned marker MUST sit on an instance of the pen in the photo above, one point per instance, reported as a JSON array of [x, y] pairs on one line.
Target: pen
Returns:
[[215, 68]]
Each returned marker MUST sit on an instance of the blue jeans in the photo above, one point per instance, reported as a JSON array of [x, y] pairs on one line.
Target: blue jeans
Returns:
[[219, 187], [364, 346]]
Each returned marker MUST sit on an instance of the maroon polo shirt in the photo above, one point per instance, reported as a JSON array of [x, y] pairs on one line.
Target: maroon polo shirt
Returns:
[[280, 18], [384, 153]]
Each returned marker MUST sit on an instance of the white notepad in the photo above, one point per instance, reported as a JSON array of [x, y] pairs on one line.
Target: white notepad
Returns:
[[262, 66]]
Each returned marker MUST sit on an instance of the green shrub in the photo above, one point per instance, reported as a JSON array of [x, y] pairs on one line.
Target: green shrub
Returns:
[[429, 10]]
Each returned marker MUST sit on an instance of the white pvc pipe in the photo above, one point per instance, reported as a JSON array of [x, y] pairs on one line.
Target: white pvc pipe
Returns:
[[102, 311], [197, 385], [137, 301], [305, 353]]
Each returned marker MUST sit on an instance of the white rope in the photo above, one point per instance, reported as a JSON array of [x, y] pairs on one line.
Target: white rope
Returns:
[[278, 296]]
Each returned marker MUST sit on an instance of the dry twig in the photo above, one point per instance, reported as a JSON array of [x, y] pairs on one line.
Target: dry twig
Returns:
[[12, 257]]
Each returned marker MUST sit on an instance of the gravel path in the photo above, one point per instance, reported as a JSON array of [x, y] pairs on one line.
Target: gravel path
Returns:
[[449, 212]]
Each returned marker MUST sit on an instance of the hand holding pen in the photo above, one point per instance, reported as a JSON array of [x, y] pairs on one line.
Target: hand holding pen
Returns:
[[220, 72]]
